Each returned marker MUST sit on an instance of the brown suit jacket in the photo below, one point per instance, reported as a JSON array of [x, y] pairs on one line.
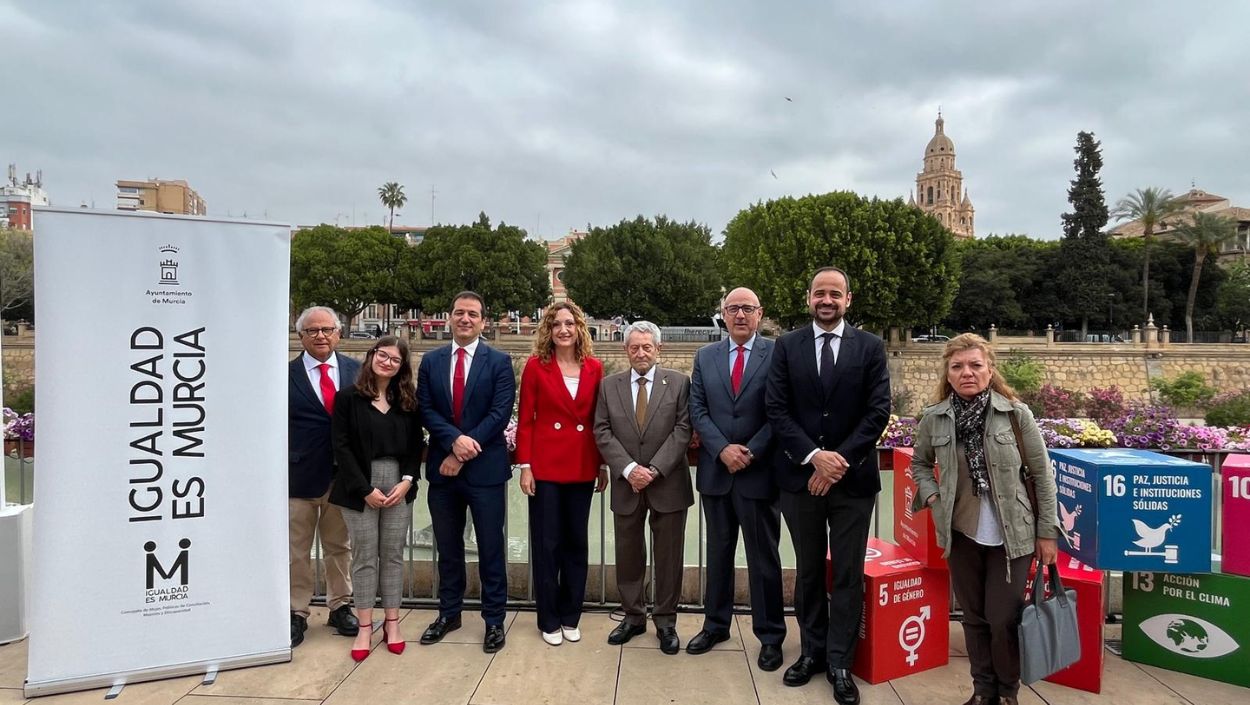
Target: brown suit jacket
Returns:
[[662, 442]]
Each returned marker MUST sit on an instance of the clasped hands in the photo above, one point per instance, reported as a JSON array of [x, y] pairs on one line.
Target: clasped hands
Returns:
[[463, 449], [380, 500], [641, 477], [829, 467], [736, 456]]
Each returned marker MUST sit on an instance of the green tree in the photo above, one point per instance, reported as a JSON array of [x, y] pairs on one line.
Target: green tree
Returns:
[[1206, 233], [509, 271], [1085, 252], [1232, 302], [17, 270], [659, 270], [1002, 280], [343, 269], [1152, 206], [901, 262], [392, 196]]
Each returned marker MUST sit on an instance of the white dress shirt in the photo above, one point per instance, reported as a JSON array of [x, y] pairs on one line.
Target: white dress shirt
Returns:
[[313, 367], [836, 346], [469, 351], [633, 396]]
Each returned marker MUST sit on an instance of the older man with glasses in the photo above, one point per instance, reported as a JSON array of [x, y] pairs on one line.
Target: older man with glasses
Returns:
[[314, 377]]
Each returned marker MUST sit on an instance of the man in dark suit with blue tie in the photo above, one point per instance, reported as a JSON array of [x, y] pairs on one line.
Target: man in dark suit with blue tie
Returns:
[[314, 377], [734, 478], [828, 401], [465, 391]]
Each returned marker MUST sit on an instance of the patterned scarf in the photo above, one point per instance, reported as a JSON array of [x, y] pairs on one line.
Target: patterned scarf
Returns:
[[970, 430]]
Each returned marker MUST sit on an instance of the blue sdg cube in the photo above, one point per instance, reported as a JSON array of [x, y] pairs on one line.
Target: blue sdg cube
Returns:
[[1122, 509]]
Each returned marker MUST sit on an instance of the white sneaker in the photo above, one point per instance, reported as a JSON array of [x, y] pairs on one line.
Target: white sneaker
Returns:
[[572, 633], [553, 638]]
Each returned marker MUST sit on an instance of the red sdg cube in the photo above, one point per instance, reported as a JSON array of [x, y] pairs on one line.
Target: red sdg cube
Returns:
[[1086, 673], [913, 531], [1235, 534], [906, 624]]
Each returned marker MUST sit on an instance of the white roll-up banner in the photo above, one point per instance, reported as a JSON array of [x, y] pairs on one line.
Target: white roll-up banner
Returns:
[[160, 537]]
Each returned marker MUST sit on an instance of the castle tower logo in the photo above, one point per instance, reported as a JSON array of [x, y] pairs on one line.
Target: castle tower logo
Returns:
[[168, 265]]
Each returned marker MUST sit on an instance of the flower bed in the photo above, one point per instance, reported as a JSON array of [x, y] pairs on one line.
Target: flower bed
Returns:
[[1138, 426]]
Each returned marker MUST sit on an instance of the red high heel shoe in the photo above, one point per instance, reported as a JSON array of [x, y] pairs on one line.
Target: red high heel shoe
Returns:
[[398, 647], [359, 655]]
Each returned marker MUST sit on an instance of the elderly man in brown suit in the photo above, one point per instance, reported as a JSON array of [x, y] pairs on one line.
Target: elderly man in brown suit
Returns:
[[642, 428]]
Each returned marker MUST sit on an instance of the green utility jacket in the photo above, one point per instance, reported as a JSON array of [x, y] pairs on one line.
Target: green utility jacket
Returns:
[[935, 443]]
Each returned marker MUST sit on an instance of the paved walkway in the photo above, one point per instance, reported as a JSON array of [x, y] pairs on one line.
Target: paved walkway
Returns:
[[590, 672]]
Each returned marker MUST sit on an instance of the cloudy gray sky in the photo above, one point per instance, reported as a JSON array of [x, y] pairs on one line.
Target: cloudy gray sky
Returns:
[[552, 115]]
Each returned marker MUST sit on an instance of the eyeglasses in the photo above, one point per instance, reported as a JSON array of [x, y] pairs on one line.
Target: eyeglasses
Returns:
[[387, 358], [314, 332], [735, 309]]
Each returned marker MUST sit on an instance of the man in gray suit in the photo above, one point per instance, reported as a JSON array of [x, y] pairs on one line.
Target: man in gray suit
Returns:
[[642, 428], [727, 410]]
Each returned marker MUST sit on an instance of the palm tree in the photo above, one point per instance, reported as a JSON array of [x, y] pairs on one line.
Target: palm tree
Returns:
[[1151, 206], [392, 196], [1207, 233]]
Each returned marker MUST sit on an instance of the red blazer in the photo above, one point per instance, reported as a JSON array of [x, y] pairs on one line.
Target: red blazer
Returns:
[[555, 432]]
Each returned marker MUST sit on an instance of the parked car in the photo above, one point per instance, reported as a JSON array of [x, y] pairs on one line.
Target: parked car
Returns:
[[930, 339], [360, 335]]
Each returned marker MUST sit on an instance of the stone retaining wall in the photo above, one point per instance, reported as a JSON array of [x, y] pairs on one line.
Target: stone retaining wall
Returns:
[[914, 367]]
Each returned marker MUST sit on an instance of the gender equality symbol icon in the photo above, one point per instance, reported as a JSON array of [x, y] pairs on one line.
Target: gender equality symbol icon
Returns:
[[911, 634]]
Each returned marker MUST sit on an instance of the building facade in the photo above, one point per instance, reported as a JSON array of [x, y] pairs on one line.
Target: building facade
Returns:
[[940, 188], [160, 196], [17, 197], [1194, 201], [557, 250]]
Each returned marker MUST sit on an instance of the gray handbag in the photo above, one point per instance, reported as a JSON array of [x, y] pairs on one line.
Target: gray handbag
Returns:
[[1049, 641]]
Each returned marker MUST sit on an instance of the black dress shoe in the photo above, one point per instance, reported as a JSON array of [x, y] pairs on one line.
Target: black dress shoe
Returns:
[[494, 640], [844, 689], [704, 641], [439, 628], [299, 625], [624, 632], [770, 657], [981, 700], [669, 642], [344, 621], [802, 671]]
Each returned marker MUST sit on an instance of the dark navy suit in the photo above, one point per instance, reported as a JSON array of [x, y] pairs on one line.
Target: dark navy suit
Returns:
[[480, 487], [310, 472], [747, 498], [847, 417]]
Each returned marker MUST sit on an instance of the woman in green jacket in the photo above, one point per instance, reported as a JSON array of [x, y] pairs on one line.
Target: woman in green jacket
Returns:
[[982, 512]]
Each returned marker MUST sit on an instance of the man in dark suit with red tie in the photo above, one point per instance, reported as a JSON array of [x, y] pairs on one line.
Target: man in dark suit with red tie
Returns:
[[828, 401], [734, 478], [465, 391], [314, 377]]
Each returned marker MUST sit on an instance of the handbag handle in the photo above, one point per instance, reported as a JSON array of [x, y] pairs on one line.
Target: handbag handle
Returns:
[[1026, 474], [1056, 585]]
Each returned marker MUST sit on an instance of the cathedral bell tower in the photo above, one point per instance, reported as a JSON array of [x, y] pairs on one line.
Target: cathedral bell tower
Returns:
[[939, 188]]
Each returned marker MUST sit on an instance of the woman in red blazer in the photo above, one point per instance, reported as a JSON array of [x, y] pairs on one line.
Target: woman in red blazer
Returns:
[[560, 464]]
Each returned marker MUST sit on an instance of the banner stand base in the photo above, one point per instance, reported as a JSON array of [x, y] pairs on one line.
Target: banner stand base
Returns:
[[118, 680]]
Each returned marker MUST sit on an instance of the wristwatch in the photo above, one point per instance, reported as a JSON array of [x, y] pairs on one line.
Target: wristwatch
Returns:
[[406, 477]]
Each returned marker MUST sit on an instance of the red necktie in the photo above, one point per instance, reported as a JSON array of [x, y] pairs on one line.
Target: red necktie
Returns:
[[457, 387], [327, 388], [739, 364]]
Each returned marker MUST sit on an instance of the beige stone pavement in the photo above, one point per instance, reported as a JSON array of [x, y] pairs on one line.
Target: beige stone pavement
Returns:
[[590, 672]]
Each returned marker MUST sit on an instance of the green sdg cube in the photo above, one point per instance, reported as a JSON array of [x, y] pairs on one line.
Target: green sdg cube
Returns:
[[1194, 624]]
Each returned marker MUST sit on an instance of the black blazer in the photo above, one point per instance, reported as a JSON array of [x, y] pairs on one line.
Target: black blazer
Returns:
[[848, 420], [353, 449], [310, 460]]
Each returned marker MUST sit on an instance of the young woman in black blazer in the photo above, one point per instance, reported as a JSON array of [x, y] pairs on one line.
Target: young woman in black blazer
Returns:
[[377, 449]]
